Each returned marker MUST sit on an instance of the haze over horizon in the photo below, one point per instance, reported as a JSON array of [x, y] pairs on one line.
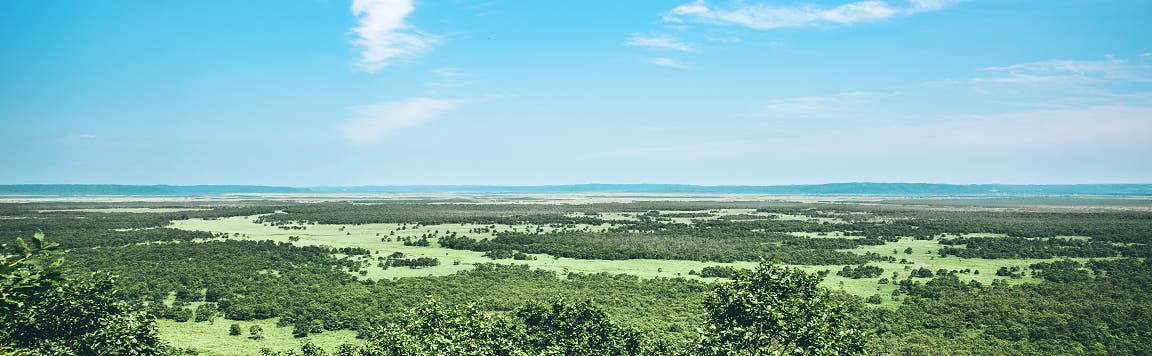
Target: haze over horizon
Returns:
[[513, 93]]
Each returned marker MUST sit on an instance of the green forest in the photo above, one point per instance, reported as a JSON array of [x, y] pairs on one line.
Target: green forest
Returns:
[[657, 277]]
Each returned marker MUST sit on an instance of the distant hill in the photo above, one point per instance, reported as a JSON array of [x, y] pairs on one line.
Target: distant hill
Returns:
[[811, 189], [893, 189]]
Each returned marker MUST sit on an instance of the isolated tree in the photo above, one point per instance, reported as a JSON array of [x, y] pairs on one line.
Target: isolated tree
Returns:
[[776, 310], [235, 330], [256, 332], [183, 314]]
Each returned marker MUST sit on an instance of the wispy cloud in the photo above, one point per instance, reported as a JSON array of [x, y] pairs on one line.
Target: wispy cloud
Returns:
[[1091, 129], [449, 73], [659, 42], [915, 6], [767, 17], [374, 122], [1067, 72], [383, 36], [823, 104], [667, 62]]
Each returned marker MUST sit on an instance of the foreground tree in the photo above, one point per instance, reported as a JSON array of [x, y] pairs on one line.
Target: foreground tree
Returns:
[[41, 312], [577, 328], [776, 310], [558, 327], [433, 328]]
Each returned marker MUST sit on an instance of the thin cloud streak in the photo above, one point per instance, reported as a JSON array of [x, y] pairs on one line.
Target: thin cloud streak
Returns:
[[383, 36], [1110, 70], [917, 6], [658, 42], [767, 17], [668, 63], [374, 122], [826, 103]]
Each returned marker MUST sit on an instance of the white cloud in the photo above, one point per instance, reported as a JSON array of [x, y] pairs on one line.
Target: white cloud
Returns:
[[916, 6], [383, 36], [766, 17], [661, 42], [1067, 72], [374, 122], [667, 62]]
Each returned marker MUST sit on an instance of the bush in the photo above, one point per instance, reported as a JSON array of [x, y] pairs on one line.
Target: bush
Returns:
[[256, 332], [182, 315]]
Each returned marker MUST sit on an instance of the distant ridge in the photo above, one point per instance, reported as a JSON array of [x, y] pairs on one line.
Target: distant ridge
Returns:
[[894, 189], [808, 189]]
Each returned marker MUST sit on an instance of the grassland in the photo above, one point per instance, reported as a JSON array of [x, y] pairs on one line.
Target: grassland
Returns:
[[369, 236], [212, 337]]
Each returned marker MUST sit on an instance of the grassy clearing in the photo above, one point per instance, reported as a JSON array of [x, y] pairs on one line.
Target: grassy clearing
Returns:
[[924, 252], [451, 261], [212, 337]]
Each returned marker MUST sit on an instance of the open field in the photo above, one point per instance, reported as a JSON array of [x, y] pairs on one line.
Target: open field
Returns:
[[212, 337]]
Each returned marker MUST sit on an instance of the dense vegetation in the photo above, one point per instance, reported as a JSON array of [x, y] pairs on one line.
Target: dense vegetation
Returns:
[[1097, 304], [1102, 307], [1019, 247], [42, 312], [79, 229], [422, 213], [302, 285], [770, 310], [698, 245]]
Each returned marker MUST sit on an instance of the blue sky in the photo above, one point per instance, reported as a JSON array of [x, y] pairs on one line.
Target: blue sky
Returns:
[[382, 92]]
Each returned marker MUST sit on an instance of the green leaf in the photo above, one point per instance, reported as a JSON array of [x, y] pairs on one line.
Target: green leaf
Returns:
[[38, 240], [21, 246]]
